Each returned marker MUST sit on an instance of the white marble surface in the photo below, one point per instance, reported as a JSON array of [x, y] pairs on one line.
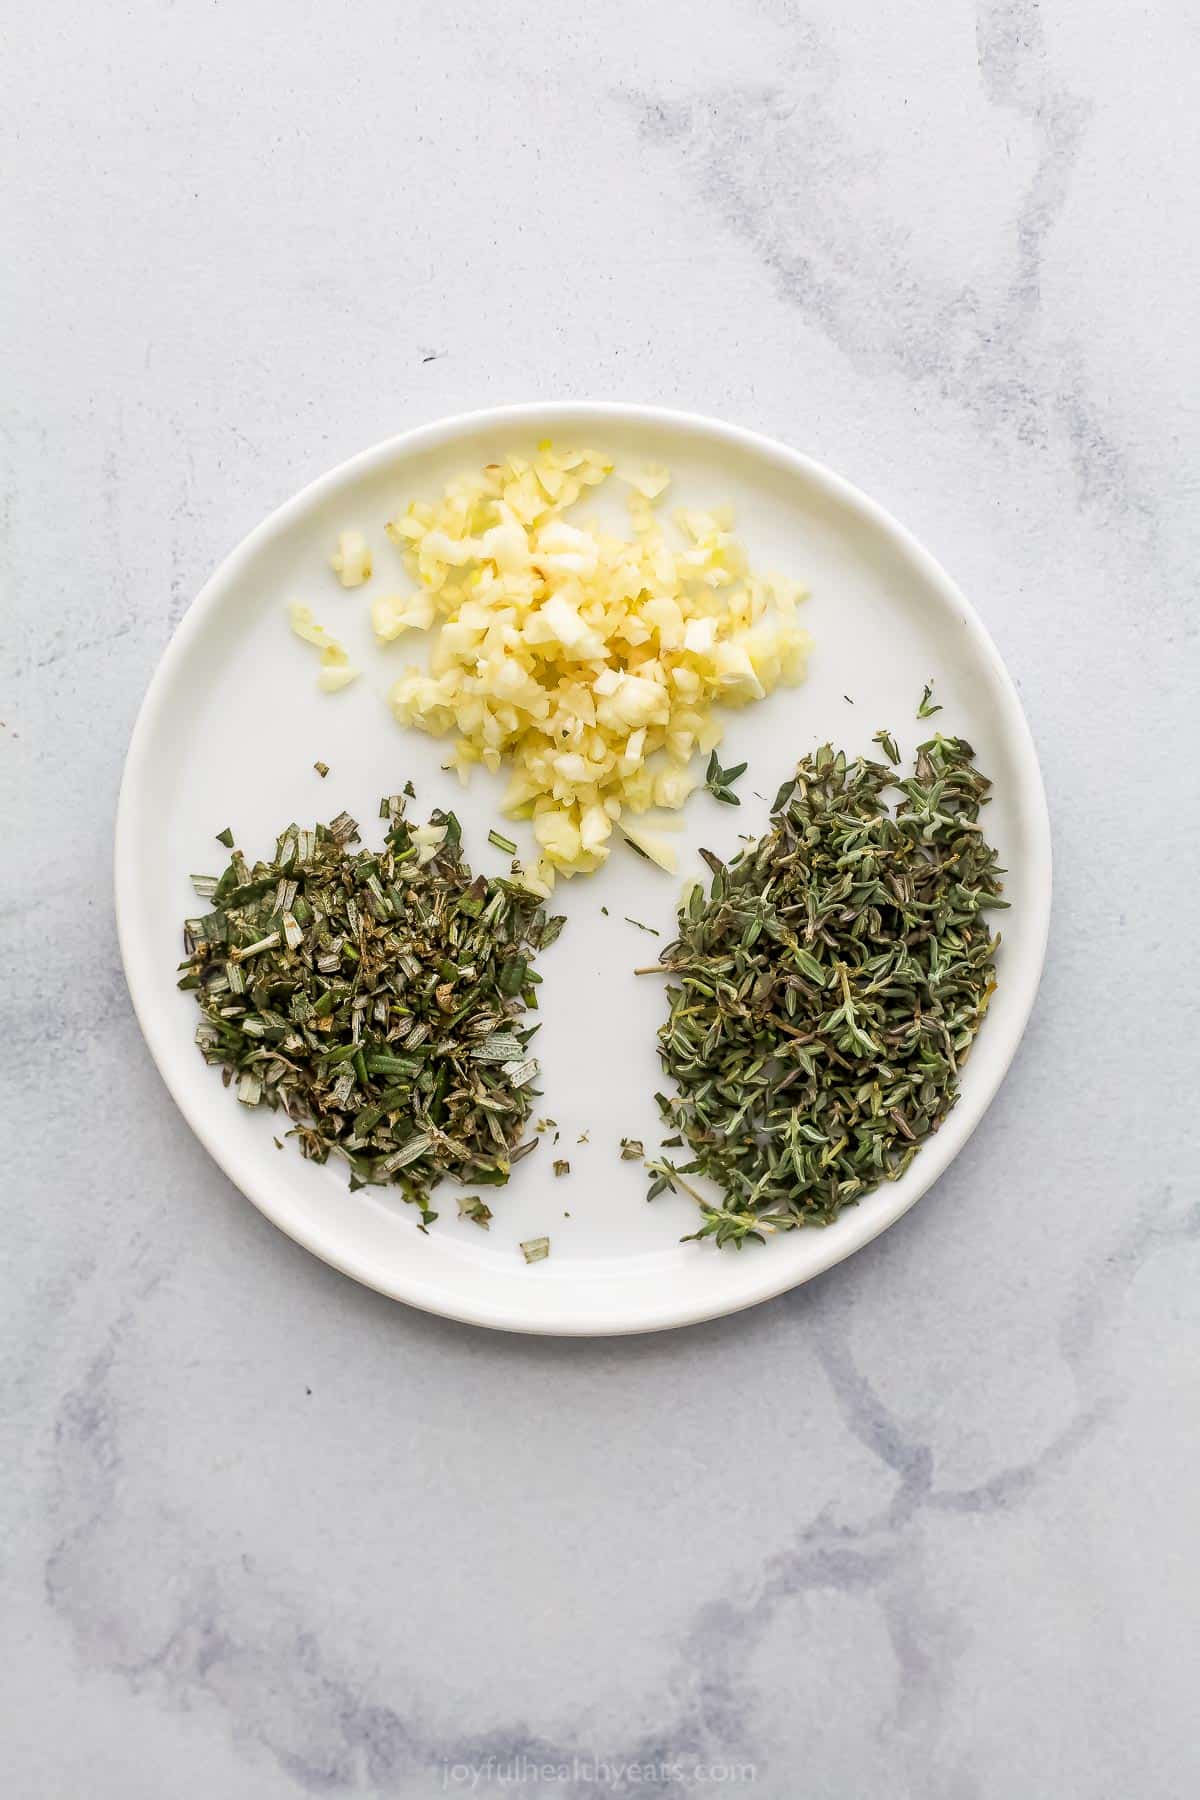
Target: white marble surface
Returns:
[[923, 1531]]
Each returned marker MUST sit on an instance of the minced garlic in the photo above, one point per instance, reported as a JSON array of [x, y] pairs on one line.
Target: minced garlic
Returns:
[[588, 662]]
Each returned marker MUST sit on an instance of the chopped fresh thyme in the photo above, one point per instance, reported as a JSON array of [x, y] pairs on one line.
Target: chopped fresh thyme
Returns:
[[322, 769], [652, 929], [226, 837], [502, 843], [535, 1249], [584, 1137], [471, 1207], [562, 1166], [827, 990], [925, 711], [632, 1149], [719, 781], [378, 997], [887, 744]]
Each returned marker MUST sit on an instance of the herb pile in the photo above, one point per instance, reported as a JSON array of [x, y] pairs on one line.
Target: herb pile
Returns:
[[375, 997], [830, 985]]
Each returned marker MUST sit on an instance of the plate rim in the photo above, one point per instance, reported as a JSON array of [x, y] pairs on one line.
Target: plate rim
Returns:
[[863, 1225]]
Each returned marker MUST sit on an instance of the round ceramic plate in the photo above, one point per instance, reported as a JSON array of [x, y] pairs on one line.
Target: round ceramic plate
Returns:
[[233, 723]]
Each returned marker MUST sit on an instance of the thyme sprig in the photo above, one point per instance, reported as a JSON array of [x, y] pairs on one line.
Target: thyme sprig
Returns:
[[719, 781]]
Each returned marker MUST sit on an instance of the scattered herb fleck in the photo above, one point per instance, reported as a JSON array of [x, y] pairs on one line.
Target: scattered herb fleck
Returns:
[[887, 744], [535, 1249], [322, 769], [632, 1149], [652, 929], [478, 1211], [925, 711], [584, 1137], [502, 843], [226, 837], [562, 1166], [827, 990]]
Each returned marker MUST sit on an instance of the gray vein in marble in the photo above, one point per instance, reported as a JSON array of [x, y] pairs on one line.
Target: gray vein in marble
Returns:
[[776, 163], [331, 1740]]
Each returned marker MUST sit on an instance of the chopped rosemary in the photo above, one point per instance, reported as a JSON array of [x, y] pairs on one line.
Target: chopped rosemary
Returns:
[[652, 929], [378, 998], [502, 843]]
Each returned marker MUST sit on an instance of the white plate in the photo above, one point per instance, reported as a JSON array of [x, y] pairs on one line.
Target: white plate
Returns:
[[233, 722]]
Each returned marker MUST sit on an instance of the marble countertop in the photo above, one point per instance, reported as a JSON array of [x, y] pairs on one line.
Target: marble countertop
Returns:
[[921, 1531]]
